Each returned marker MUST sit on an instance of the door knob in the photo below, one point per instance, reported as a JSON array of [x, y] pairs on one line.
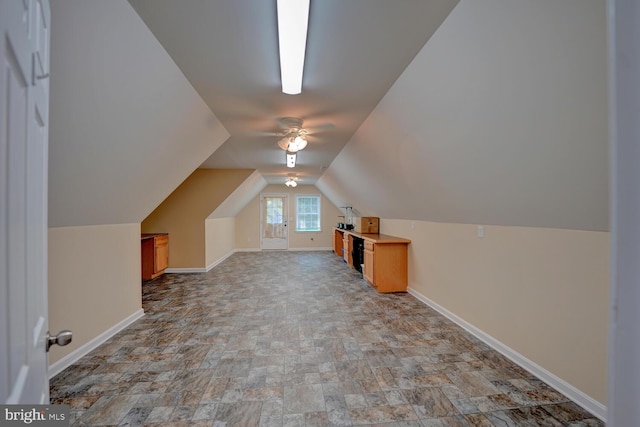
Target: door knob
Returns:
[[63, 338]]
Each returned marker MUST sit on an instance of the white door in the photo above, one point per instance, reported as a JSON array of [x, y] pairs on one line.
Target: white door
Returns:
[[274, 222], [24, 97]]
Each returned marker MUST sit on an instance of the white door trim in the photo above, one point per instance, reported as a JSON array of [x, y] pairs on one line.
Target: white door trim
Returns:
[[275, 244]]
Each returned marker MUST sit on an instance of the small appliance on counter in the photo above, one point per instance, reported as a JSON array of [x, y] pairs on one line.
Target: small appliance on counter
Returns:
[[348, 222]]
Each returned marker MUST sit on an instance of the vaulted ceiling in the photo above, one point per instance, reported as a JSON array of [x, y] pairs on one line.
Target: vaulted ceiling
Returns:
[[228, 51], [490, 112]]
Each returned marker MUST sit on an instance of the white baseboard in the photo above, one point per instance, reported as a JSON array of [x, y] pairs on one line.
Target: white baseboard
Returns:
[[186, 270], [68, 360], [213, 264], [289, 249], [199, 269], [582, 399], [309, 249]]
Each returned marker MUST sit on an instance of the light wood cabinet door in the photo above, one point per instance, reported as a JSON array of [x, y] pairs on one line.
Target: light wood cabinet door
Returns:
[[390, 268], [347, 250], [162, 253], [154, 254], [368, 266], [337, 242]]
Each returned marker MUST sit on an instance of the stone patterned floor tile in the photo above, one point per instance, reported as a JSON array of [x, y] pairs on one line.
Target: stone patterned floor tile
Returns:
[[298, 339]]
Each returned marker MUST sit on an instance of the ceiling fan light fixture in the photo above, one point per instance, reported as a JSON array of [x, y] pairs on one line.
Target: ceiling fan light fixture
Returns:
[[293, 142], [300, 142], [291, 160], [293, 147], [290, 182], [284, 143], [293, 20]]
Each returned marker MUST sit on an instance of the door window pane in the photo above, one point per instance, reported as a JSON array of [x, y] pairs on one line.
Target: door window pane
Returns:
[[274, 221]]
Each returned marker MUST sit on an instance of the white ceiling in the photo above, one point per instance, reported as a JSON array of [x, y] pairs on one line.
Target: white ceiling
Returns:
[[228, 51]]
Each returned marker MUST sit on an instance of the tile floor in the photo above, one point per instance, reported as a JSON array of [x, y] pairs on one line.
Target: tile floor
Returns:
[[299, 339]]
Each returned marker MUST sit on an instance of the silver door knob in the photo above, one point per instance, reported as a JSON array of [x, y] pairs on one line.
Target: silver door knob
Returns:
[[63, 338]]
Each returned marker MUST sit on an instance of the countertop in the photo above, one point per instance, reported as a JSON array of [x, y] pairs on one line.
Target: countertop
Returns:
[[375, 238], [145, 236]]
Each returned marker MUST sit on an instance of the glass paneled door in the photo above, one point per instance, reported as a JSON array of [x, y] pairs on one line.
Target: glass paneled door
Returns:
[[274, 222]]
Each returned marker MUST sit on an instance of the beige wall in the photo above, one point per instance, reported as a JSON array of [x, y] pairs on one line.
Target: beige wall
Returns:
[[94, 280], [248, 220], [248, 226], [542, 292], [219, 238], [183, 213]]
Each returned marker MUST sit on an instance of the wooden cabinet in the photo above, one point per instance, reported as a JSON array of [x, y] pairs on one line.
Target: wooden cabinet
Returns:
[[385, 259], [338, 236], [386, 267], [346, 246], [154, 254], [367, 271]]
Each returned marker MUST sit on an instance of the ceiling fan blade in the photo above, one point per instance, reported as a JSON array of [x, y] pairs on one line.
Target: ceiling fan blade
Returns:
[[320, 128], [286, 123], [262, 134]]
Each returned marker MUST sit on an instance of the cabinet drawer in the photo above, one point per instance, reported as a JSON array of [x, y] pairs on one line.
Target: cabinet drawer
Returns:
[[368, 245], [162, 240]]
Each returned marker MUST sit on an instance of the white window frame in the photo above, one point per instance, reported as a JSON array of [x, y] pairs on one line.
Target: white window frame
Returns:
[[317, 196]]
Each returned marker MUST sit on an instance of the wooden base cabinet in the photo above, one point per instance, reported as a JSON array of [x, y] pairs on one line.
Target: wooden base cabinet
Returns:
[[385, 266], [338, 236], [155, 254], [346, 255], [385, 258], [369, 260]]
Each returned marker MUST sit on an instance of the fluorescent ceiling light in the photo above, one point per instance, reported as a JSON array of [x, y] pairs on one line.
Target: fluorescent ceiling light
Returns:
[[291, 160], [293, 20]]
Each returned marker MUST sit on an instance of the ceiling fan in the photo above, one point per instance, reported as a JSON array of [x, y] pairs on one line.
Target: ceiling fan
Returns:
[[294, 137]]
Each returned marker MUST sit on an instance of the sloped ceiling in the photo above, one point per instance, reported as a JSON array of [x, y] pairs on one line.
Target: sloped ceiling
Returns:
[[126, 127], [500, 119], [241, 196], [228, 50]]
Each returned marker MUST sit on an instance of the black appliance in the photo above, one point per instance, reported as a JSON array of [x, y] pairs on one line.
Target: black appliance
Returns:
[[358, 253]]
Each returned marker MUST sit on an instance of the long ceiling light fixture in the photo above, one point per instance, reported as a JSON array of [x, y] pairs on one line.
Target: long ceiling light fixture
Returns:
[[293, 20], [291, 160]]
